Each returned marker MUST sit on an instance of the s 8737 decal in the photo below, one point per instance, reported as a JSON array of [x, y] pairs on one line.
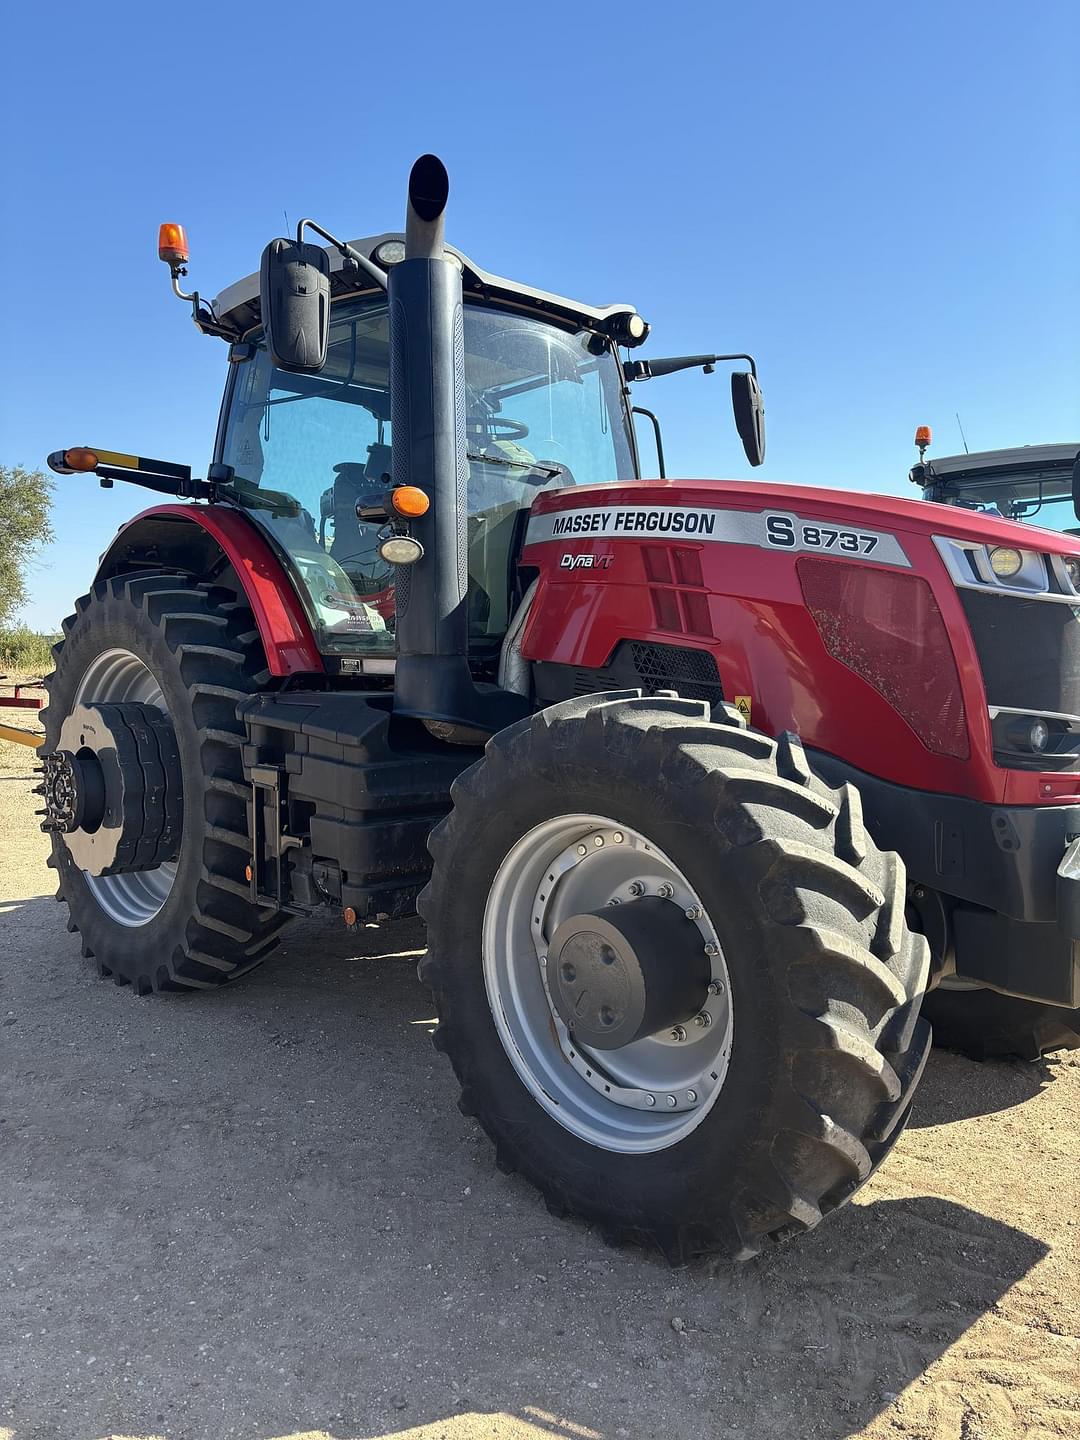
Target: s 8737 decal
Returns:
[[788, 533], [714, 524]]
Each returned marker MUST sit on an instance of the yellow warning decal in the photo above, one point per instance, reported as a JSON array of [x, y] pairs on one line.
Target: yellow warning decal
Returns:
[[743, 704]]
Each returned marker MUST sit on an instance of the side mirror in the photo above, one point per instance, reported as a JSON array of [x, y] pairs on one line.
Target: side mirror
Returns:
[[294, 293], [749, 410]]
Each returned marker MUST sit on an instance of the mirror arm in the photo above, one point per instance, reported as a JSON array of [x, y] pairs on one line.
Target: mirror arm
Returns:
[[652, 369], [640, 410], [361, 261]]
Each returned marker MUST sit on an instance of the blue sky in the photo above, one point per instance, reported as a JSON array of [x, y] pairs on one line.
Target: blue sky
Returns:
[[881, 202]]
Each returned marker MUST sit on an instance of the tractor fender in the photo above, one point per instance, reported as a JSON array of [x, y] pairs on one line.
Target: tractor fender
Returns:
[[194, 538]]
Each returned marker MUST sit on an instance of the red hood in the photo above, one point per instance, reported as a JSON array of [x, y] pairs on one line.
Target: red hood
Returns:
[[920, 516]]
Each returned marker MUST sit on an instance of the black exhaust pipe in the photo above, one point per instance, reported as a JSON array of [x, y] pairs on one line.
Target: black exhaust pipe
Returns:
[[427, 419]]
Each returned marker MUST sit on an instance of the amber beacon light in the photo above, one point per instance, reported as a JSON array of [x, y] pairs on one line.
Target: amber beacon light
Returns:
[[172, 245]]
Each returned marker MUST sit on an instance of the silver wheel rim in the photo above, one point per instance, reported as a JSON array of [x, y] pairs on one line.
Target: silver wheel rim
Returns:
[[134, 898], [651, 1093]]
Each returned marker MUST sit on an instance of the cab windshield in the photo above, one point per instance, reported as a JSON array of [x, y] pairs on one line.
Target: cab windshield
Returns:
[[543, 410], [1042, 501]]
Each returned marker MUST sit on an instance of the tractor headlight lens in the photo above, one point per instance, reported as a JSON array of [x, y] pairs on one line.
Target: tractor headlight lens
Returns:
[[1038, 736], [390, 252], [401, 549], [1006, 562], [1072, 569]]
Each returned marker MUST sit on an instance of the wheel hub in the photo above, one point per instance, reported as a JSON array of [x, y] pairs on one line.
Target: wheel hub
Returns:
[[608, 1078], [621, 973], [113, 788]]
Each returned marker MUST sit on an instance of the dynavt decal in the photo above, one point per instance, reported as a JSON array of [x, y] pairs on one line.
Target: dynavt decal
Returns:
[[767, 529]]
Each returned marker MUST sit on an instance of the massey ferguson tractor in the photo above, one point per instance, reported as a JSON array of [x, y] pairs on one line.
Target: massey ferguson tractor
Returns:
[[699, 785]]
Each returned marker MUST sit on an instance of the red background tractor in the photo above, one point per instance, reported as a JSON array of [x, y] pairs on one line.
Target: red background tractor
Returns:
[[708, 782]]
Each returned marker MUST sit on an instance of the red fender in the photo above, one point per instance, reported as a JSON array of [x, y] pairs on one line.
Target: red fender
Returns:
[[283, 626]]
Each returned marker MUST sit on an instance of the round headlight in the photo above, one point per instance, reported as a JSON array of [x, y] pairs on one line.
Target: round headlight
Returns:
[[401, 549], [1006, 562], [1072, 569], [390, 252], [1038, 735]]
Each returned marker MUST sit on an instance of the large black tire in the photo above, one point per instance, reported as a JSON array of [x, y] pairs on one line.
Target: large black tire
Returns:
[[826, 978], [986, 1025], [201, 645]]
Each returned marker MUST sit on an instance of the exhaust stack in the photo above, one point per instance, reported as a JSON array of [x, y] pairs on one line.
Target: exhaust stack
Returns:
[[427, 418]]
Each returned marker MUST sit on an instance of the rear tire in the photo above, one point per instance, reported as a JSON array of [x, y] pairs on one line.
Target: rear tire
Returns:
[[825, 978], [985, 1025], [201, 647]]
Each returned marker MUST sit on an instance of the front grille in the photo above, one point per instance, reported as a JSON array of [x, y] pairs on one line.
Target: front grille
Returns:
[[1029, 651]]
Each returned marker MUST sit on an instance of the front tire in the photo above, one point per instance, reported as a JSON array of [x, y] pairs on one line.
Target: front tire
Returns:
[[192, 651], [826, 1044]]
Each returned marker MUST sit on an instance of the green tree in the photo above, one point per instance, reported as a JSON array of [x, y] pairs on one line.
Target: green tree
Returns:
[[25, 500]]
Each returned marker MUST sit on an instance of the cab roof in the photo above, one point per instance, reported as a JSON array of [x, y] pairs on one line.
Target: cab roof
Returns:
[[1027, 460], [238, 305]]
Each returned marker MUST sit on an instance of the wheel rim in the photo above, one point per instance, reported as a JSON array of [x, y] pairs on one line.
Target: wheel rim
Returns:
[[652, 1092], [134, 898]]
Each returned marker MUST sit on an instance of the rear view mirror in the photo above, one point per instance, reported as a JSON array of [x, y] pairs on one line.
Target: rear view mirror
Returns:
[[749, 410], [294, 292]]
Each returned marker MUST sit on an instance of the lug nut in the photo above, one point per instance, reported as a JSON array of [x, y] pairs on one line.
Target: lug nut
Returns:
[[637, 888], [582, 849], [614, 902], [650, 1100], [693, 912], [672, 1102], [665, 892], [543, 959], [678, 1032], [704, 1020], [712, 948], [618, 837], [716, 987], [691, 1096], [598, 840]]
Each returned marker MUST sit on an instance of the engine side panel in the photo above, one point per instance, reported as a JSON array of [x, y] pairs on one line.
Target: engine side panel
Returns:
[[618, 563]]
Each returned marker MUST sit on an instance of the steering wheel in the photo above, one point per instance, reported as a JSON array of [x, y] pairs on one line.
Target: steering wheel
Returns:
[[505, 429]]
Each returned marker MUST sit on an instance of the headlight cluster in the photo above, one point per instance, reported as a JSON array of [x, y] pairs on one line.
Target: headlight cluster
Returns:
[[1010, 567]]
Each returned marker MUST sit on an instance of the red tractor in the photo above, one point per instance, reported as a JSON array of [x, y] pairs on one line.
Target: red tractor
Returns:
[[646, 754]]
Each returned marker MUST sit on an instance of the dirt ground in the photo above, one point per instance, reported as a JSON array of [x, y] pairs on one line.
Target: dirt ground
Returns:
[[258, 1213]]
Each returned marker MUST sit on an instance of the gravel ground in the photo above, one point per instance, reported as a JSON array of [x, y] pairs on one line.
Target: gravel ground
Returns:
[[258, 1213]]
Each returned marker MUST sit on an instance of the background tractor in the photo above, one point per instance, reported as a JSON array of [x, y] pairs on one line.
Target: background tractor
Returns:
[[1036, 484], [643, 751]]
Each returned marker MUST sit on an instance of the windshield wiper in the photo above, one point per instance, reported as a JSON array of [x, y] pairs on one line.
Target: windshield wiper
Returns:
[[513, 464]]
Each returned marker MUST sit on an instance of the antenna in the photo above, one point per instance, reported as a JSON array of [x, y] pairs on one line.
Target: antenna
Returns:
[[286, 214], [962, 435]]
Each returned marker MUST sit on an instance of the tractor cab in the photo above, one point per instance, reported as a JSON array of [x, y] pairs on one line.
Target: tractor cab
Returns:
[[310, 455]]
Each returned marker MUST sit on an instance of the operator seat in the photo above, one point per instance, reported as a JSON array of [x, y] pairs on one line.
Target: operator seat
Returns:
[[355, 543]]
